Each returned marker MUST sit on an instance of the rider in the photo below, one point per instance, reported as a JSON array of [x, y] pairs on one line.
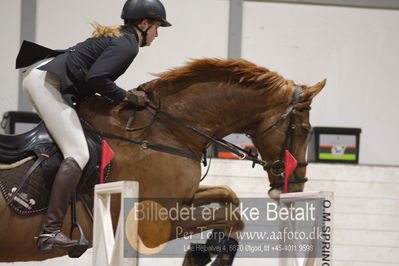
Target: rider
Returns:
[[87, 68]]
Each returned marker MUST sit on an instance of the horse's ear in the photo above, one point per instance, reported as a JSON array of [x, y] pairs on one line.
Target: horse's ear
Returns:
[[312, 91]]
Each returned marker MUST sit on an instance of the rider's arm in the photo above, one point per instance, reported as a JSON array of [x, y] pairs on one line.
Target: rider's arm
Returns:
[[112, 63]]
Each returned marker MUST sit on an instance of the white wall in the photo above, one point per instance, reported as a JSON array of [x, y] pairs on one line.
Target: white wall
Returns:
[[9, 32], [355, 49]]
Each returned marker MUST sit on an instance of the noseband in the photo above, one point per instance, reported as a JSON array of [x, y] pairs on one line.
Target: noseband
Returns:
[[277, 168]]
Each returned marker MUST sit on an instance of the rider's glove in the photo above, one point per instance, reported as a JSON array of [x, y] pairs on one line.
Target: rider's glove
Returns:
[[138, 98]]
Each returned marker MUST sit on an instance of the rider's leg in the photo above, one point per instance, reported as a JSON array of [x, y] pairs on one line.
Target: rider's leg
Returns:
[[64, 126], [64, 185], [61, 119]]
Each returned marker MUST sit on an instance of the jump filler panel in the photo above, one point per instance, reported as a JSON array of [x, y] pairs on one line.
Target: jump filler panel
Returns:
[[340, 145]]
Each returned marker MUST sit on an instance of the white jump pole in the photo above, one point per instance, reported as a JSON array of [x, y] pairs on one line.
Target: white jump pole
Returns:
[[325, 249], [108, 249]]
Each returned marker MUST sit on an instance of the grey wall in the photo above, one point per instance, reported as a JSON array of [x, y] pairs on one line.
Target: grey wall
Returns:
[[9, 32], [354, 48]]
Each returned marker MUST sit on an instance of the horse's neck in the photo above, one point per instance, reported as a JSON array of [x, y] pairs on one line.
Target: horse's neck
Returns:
[[217, 109]]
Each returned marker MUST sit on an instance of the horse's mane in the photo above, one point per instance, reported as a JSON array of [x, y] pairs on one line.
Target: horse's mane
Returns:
[[231, 71]]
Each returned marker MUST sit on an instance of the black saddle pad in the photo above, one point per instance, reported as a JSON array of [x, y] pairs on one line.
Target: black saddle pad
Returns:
[[34, 193], [33, 198]]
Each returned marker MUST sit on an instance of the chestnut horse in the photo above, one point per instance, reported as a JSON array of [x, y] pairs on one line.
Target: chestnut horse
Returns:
[[217, 97]]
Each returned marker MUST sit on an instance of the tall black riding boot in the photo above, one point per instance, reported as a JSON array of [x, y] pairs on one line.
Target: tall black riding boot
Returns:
[[64, 185]]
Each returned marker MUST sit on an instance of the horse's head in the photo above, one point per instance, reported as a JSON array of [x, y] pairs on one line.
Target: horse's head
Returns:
[[286, 127]]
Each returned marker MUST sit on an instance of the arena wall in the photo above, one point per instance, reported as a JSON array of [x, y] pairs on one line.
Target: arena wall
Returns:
[[9, 32], [354, 48]]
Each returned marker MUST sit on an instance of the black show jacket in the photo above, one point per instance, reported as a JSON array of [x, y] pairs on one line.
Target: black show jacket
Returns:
[[89, 67]]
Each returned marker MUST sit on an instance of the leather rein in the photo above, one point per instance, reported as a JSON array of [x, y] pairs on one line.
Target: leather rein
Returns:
[[276, 168]]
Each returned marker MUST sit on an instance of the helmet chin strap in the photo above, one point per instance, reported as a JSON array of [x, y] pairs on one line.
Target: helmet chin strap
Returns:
[[144, 34]]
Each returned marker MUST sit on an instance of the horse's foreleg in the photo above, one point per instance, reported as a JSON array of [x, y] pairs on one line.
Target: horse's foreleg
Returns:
[[210, 194], [205, 218]]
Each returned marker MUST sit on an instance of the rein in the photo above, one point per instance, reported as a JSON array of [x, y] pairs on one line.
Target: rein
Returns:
[[243, 154], [276, 168]]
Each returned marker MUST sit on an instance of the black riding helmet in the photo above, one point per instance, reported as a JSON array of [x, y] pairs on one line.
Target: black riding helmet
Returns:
[[141, 9], [134, 10]]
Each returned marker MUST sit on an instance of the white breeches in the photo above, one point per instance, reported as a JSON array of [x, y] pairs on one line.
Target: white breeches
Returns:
[[61, 120]]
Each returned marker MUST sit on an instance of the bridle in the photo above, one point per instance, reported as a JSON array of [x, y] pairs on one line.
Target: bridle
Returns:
[[277, 167]]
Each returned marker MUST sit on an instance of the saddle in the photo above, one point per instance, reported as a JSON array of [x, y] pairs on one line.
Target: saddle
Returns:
[[30, 161]]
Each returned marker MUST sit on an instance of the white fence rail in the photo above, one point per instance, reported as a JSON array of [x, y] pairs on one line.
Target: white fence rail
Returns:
[[108, 248]]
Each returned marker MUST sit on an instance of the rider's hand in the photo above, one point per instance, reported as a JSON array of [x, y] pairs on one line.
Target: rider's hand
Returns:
[[138, 98]]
